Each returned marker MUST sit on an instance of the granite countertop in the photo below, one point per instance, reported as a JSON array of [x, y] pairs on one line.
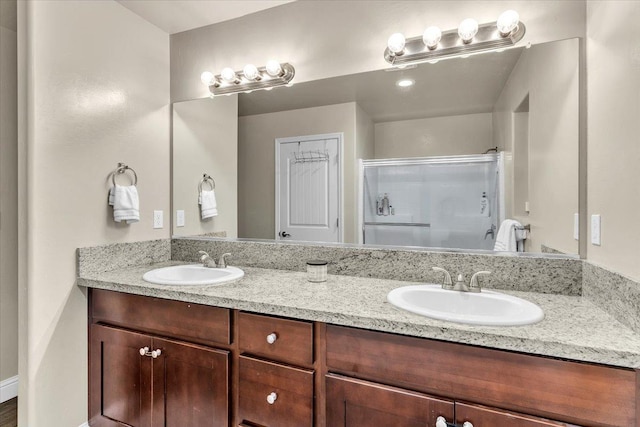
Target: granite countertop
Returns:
[[573, 327]]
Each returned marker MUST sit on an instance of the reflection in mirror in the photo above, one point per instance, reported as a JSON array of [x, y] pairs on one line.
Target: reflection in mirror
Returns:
[[512, 115]]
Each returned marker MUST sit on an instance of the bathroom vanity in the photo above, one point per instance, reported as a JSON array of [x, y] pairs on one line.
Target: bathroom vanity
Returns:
[[276, 350]]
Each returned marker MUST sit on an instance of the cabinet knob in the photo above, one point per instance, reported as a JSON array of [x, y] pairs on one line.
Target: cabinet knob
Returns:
[[143, 351], [441, 422], [467, 424], [158, 352], [271, 399], [272, 337]]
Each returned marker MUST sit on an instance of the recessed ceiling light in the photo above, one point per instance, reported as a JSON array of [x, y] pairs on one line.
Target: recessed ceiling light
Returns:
[[405, 83]]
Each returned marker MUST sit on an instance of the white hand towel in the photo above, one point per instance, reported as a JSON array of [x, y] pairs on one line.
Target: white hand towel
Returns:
[[506, 239], [125, 202], [208, 204]]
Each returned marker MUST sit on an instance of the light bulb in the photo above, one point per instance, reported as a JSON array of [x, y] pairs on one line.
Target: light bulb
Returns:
[[431, 37], [507, 22], [207, 78], [396, 44], [228, 75], [468, 29], [251, 72], [273, 68], [405, 83]]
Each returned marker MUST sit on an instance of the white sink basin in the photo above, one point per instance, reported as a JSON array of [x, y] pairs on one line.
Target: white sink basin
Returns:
[[486, 308], [192, 274]]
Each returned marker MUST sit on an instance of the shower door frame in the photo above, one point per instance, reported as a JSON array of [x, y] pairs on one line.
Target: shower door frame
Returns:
[[433, 160]]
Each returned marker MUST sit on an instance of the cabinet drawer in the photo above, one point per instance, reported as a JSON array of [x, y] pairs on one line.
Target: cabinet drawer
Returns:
[[293, 338], [578, 393], [193, 322], [292, 389]]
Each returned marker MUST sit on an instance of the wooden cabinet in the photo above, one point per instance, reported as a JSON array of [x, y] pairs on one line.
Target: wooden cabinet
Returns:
[[219, 367], [573, 392], [186, 385], [358, 403], [274, 395], [479, 416], [131, 383], [276, 376]]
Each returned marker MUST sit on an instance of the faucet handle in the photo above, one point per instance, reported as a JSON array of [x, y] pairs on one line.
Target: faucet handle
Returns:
[[204, 255], [473, 285], [447, 284], [222, 262]]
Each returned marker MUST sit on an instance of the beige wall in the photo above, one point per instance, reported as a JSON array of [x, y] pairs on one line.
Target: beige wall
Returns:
[[613, 61], [97, 93], [436, 136], [8, 192], [548, 73], [330, 38], [205, 140], [365, 135], [256, 162]]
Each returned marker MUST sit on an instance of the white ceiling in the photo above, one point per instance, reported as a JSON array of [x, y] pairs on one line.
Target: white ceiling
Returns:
[[451, 87], [175, 16]]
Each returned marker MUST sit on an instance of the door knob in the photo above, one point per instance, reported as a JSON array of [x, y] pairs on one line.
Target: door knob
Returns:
[[273, 396], [272, 337], [284, 234]]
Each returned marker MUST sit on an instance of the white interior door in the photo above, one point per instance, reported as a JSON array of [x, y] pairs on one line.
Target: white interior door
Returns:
[[308, 187]]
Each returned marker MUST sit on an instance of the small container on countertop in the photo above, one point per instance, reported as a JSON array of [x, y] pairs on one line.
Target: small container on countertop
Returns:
[[317, 271]]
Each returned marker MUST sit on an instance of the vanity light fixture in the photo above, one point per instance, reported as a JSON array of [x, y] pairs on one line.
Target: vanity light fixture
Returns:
[[468, 38], [249, 79]]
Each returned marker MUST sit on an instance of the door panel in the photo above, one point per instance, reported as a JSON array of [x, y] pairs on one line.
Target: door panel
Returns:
[[120, 378], [308, 174], [357, 403], [481, 416], [190, 385]]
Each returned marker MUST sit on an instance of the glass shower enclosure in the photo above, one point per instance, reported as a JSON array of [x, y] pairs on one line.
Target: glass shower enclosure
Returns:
[[454, 202]]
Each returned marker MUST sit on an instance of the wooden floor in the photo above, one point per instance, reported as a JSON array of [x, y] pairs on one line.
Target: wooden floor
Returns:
[[9, 413]]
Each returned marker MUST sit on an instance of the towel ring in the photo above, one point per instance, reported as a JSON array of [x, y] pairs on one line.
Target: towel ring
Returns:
[[206, 178], [122, 168]]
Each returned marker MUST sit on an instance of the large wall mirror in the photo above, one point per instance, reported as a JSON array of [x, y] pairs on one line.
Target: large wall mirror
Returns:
[[435, 155]]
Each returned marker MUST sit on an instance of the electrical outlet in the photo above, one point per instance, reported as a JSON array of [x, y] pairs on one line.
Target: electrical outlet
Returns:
[[179, 218], [576, 226], [595, 230], [158, 219]]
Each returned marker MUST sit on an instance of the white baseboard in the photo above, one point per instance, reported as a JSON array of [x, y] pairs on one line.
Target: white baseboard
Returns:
[[84, 425], [8, 389]]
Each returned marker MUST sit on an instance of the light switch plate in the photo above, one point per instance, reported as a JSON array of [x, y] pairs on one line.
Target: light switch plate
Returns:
[[595, 230], [179, 218], [158, 219], [576, 226]]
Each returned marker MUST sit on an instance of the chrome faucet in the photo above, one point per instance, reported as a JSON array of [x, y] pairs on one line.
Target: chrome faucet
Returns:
[[206, 260], [491, 232], [222, 262], [460, 284]]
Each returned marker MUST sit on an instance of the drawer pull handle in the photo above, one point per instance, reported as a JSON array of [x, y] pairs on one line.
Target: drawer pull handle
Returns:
[[441, 422], [272, 337], [271, 399], [144, 351], [467, 424]]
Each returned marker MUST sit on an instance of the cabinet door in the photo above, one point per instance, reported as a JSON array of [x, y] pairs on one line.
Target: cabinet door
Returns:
[[119, 378], [357, 403], [190, 385], [482, 416]]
